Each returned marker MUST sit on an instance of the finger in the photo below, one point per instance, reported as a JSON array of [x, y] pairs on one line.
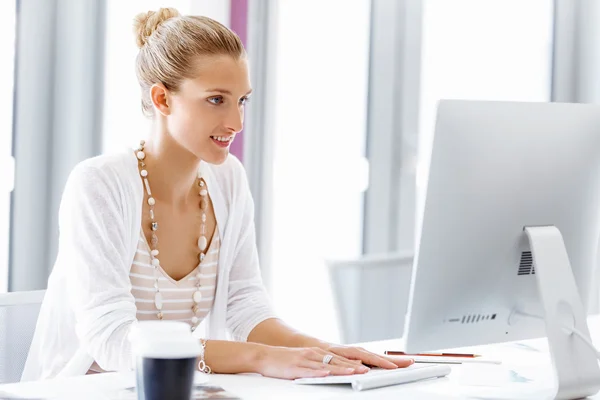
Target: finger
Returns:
[[344, 362], [367, 357], [378, 361], [303, 372], [322, 353], [401, 362], [333, 369], [341, 361]]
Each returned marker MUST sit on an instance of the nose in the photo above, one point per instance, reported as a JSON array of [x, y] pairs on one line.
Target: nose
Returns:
[[235, 119]]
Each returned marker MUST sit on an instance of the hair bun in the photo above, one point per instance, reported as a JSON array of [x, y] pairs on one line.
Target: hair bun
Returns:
[[146, 23]]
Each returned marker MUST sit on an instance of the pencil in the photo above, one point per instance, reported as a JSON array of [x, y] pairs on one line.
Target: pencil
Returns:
[[401, 353]]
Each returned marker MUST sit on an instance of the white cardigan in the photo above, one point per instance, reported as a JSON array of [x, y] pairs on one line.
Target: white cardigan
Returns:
[[89, 310]]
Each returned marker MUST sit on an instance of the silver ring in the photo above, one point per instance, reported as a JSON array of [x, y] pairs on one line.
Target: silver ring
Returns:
[[327, 358]]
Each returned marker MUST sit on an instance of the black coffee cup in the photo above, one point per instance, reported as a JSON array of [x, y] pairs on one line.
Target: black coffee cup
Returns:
[[166, 357]]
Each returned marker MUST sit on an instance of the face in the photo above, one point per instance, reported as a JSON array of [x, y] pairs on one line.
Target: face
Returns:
[[207, 112]]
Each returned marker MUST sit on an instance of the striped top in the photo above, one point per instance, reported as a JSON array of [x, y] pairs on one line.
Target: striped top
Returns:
[[177, 295]]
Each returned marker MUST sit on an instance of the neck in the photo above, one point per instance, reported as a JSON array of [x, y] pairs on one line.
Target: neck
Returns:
[[172, 170]]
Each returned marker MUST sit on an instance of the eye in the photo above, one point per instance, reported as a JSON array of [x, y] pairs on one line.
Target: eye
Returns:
[[244, 100], [215, 100]]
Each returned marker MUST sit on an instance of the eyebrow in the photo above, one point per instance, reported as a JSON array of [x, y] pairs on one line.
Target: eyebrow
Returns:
[[225, 91]]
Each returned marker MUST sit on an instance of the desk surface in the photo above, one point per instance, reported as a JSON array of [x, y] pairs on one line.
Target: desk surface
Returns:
[[521, 361]]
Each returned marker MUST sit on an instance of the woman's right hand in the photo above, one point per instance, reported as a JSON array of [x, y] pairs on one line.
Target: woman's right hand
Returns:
[[293, 363]]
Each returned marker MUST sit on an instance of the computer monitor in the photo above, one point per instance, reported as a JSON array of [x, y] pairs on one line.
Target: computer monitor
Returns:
[[508, 184]]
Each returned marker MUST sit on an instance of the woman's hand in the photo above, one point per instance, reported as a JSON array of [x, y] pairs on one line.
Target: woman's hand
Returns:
[[361, 356], [292, 363]]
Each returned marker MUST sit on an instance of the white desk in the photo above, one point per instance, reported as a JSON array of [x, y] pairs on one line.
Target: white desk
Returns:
[[464, 382]]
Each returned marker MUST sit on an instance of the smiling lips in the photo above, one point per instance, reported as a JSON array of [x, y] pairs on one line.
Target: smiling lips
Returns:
[[222, 141]]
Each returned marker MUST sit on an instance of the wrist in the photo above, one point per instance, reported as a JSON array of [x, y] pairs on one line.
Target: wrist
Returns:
[[201, 362], [256, 357], [301, 340]]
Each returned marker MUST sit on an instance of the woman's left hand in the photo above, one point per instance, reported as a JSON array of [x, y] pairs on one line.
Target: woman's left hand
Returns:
[[362, 356]]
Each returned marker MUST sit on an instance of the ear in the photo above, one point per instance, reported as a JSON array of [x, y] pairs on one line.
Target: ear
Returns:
[[160, 98]]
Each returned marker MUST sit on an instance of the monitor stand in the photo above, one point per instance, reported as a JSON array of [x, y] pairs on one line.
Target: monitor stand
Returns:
[[575, 365]]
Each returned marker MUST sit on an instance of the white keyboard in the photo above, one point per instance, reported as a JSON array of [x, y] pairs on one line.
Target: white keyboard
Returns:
[[382, 377]]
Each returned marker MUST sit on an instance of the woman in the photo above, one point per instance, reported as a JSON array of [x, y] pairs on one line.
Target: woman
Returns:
[[167, 231]]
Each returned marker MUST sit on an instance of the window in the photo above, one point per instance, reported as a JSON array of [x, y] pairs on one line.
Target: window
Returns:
[[124, 123], [7, 49], [483, 50], [319, 173]]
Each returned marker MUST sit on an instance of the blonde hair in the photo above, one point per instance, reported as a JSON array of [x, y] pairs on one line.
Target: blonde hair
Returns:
[[169, 45]]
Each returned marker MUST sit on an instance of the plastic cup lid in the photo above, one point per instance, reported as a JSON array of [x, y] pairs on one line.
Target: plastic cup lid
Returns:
[[163, 339]]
